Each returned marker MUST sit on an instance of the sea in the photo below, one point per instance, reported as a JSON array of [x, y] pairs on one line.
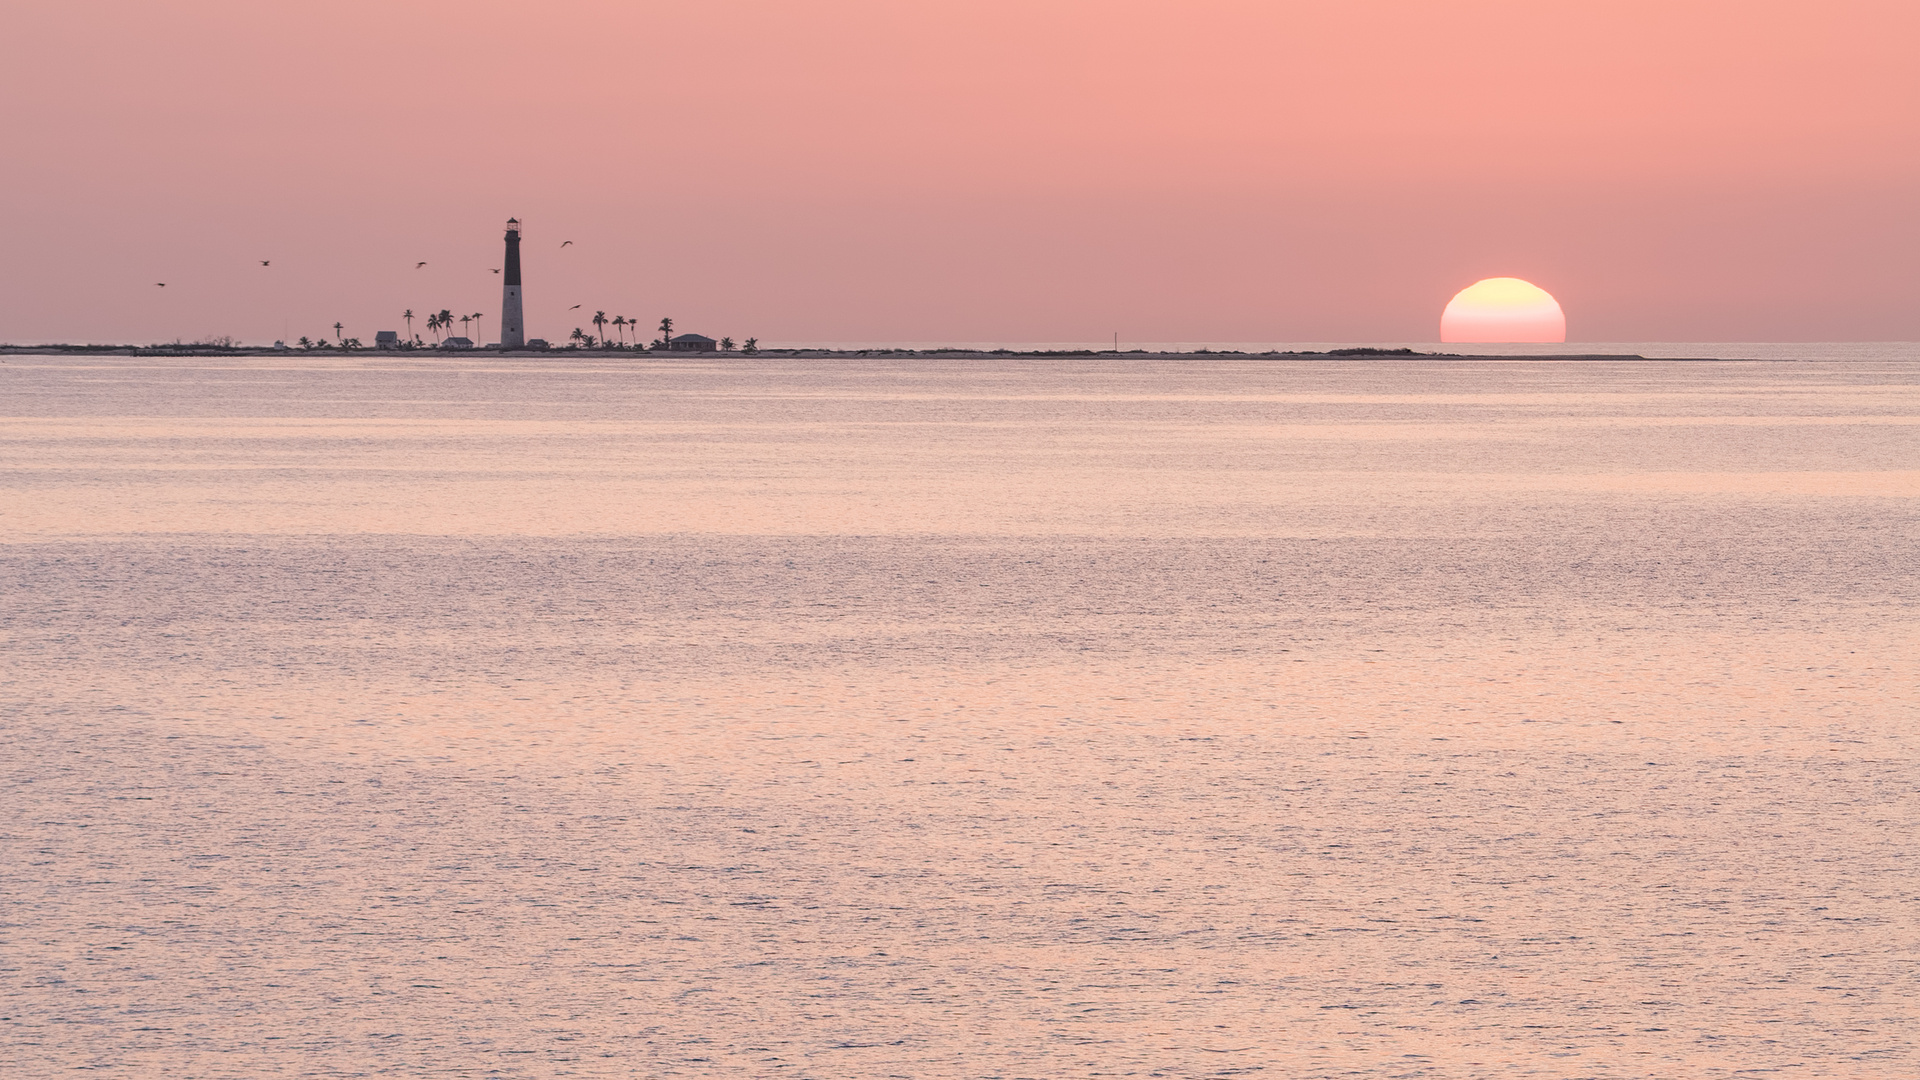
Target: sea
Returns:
[[1000, 716]]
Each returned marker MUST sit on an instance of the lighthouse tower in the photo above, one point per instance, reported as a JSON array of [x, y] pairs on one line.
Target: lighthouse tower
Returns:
[[513, 324]]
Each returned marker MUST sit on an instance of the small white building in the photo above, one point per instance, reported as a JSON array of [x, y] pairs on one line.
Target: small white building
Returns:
[[386, 339], [457, 343]]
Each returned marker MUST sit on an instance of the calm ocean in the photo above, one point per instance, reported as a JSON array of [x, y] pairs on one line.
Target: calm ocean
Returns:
[[923, 718]]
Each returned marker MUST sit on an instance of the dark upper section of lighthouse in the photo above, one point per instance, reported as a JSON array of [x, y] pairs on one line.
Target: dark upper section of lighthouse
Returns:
[[512, 269]]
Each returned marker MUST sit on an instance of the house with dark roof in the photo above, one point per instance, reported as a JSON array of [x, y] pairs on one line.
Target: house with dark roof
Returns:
[[692, 343]]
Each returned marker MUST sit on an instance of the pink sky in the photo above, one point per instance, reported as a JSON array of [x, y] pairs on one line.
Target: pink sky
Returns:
[[1014, 170]]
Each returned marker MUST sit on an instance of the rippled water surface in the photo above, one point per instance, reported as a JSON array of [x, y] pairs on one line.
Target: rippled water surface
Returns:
[[959, 718]]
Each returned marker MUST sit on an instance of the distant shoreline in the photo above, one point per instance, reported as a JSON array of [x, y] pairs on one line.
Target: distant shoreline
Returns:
[[1359, 353]]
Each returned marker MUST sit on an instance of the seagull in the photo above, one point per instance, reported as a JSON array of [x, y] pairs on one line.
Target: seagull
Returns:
[[575, 307], [496, 271], [565, 243], [163, 285], [266, 262], [418, 265]]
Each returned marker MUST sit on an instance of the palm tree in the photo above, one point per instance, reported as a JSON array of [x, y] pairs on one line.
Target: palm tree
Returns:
[[446, 322], [620, 324], [476, 329], [753, 345], [666, 333], [336, 333], [726, 344], [600, 322], [408, 315], [464, 320], [304, 342]]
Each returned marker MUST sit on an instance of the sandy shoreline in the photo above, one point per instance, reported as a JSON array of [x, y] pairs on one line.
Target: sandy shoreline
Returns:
[[942, 354]]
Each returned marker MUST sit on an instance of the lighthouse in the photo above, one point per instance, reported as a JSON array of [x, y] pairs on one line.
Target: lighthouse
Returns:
[[513, 325]]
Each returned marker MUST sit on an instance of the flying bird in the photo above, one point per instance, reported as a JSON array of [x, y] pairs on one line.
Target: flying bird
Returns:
[[266, 262], [575, 307], [163, 285], [496, 271], [565, 243], [418, 265]]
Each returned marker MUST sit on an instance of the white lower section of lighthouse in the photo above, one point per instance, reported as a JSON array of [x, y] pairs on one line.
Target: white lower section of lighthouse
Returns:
[[513, 326]]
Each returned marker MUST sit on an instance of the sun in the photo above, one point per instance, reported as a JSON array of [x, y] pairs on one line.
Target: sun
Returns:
[[1503, 309]]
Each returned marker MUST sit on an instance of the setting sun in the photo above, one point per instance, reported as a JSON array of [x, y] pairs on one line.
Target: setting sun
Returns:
[[1503, 309]]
